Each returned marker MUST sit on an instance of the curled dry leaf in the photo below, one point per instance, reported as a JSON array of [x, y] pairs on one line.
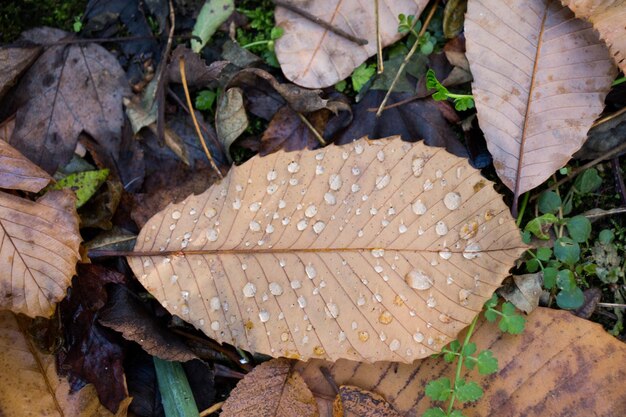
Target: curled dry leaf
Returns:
[[607, 17], [272, 389], [38, 250], [554, 368], [18, 173], [523, 291], [540, 78], [69, 89], [231, 119], [35, 388], [377, 250], [314, 57]]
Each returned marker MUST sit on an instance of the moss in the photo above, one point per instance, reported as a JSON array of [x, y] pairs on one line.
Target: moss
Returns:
[[18, 16]]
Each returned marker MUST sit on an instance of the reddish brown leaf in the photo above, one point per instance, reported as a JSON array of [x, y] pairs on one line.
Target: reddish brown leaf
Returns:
[[18, 173], [287, 131], [15, 59], [356, 402]]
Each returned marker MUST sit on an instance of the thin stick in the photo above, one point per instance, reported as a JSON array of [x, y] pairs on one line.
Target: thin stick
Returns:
[[604, 213], [312, 128], [575, 172], [322, 23], [212, 409], [183, 76], [608, 117], [159, 94], [407, 58], [611, 305], [379, 43]]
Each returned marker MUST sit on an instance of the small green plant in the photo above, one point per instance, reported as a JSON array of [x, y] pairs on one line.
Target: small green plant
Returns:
[[205, 100], [361, 75], [562, 265], [78, 24], [461, 390], [461, 101], [408, 24], [263, 34]]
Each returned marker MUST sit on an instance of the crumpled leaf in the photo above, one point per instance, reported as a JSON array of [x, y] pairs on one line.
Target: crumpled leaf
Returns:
[[272, 389], [124, 313], [198, 73], [288, 132], [353, 401], [371, 242], [91, 353], [35, 387], [69, 89], [38, 250], [551, 369], [212, 14], [524, 292], [15, 60], [454, 17], [231, 119], [83, 184], [607, 17], [314, 57], [18, 173], [540, 78]]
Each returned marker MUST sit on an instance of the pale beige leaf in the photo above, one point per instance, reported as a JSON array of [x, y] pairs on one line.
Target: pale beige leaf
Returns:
[[540, 78], [314, 57], [31, 385], [18, 173], [560, 366], [272, 389], [377, 250], [607, 17], [38, 251]]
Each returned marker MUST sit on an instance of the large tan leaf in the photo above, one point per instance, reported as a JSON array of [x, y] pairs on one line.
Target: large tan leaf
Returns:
[[315, 57], [18, 173], [560, 366], [380, 250], [272, 389], [607, 17], [540, 78], [31, 385], [38, 251]]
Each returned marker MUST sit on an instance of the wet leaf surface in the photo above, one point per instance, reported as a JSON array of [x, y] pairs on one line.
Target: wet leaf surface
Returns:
[[69, 89], [425, 252]]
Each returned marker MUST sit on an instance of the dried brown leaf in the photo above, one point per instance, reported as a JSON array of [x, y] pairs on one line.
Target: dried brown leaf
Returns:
[[556, 367], [314, 57], [38, 250], [35, 389], [288, 132], [272, 389], [540, 78], [231, 119], [18, 173], [356, 402], [69, 89], [377, 250], [607, 17], [15, 60], [523, 291]]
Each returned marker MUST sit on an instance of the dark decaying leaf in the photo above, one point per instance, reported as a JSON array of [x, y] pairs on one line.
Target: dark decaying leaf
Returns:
[[202, 381], [556, 367], [287, 131], [523, 291], [356, 402], [18, 173], [197, 72], [91, 353], [603, 138], [143, 386], [418, 119], [68, 90], [15, 60], [126, 314], [272, 389], [592, 298], [99, 211]]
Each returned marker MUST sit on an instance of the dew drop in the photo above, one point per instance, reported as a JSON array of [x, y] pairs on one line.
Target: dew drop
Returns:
[[358, 148], [330, 199], [452, 201], [382, 336], [310, 211], [254, 207], [341, 337], [302, 224], [255, 226], [192, 212], [302, 301], [345, 155], [284, 337], [319, 170], [378, 253], [377, 297], [419, 208], [275, 288], [249, 290], [272, 175], [285, 221], [215, 325], [428, 185], [264, 316], [176, 215], [210, 212], [293, 167], [272, 188], [184, 295], [418, 337], [373, 211], [464, 294], [402, 228], [441, 228], [418, 280], [471, 251], [382, 181], [269, 229], [385, 317], [380, 156], [354, 325], [418, 166], [361, 300], [364, 336], [212, 235], [310, 270], [394, 345], [445, 253], [319, 156], [356, 171], [215, 304], [469, 230], [355, 188], [378, 268], [318, 227], [173, 279], [431, 302], [444, 318], [295, 284], [335, 182], [332, 310]]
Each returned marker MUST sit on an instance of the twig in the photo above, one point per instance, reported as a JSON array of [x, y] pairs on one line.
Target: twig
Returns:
[[407, 58], [380, 67], [160, 90], [619, 179], [608, 117], [615, 151], [591, 215], [611, 305], [322, 23], [312, 128], [183, 76], [212, 409]]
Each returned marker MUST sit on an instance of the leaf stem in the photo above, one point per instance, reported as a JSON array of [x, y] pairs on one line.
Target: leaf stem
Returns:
[[520, 214], [459, 365], [407, 58], [257, 43]]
